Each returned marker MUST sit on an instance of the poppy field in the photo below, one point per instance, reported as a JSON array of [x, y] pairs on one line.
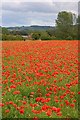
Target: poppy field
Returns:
[[40, 79]]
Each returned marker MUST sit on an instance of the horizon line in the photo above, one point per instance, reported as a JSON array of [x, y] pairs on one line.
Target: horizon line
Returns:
[[28, 26]]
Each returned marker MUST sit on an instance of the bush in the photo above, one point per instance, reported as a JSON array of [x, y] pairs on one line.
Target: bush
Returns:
[[11, 37]]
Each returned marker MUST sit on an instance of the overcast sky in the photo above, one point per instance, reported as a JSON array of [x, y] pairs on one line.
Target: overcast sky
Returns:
[[23, 13]]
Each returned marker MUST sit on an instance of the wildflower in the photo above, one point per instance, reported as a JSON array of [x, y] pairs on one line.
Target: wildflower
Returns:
[[16, 92], [7, 111], [21, 111], [45, 107], [49, 112], [13, 86], [72, 105], [59, 114], [1, 104], [79, 92]]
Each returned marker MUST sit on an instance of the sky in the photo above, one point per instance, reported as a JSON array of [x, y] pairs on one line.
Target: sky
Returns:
[[34, 12]]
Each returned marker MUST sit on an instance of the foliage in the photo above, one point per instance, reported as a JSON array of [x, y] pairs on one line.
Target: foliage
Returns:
[[45, 36], [11, 37], [5, 31], [64, 25], [42, 35], [36, 36], [51, 32], [22, 32]]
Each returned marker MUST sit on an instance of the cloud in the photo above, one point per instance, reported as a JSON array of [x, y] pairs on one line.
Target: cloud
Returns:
[[44, 7], [19, 1], [29, 6], [28, 13]]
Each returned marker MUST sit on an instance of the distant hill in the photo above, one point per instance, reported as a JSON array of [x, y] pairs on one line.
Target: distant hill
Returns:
[[33, 27]]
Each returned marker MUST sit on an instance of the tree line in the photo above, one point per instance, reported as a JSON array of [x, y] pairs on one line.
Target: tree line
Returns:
[[67, 28]]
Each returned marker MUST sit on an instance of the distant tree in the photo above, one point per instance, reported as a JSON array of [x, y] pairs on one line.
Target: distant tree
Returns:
[[11, 37], [51, 31], [64, 25], [36, 35], [5, 31], [22, 32], [45, 36]]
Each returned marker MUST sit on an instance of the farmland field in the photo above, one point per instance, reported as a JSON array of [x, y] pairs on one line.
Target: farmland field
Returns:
[[40, 79]]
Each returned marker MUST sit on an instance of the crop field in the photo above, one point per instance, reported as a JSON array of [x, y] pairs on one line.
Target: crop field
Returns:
[[40, 79]]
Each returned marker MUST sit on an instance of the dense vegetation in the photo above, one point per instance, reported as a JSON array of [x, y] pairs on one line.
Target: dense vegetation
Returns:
[[67, 28], [40, 80]]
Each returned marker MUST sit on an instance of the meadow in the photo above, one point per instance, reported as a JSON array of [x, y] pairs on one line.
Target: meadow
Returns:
[[40, 79]]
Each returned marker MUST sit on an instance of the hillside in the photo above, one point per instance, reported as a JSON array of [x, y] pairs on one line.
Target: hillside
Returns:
[[33, 27]]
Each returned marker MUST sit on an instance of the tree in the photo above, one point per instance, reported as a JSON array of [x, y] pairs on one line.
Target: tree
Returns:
[[64, 25], [45, 36], [36, 36], [5, 31], [51, 31]]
